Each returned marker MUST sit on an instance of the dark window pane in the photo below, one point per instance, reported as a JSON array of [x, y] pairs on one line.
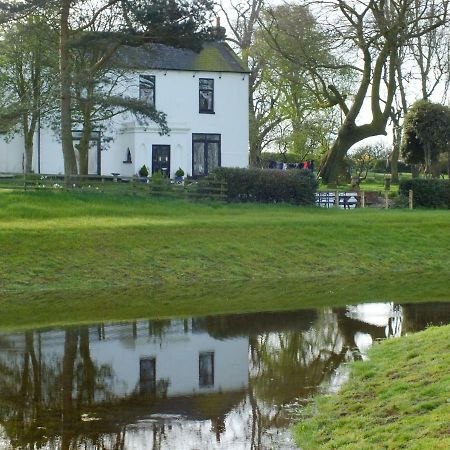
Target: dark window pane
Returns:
[[147, 89], [206, 83], [199, 158], [206, 369], [213, 155], [206, 101], [206, 95], [198, 137], [205, 153], [147, 375]]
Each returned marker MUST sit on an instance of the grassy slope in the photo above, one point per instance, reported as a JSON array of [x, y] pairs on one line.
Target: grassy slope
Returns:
[[399, 399], [150, 258]]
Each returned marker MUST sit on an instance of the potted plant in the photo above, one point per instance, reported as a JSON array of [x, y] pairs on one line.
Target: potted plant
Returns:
[[143, 174], [179, 174]]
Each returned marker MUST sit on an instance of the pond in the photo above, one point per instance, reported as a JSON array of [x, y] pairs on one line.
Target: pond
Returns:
[[216, 382]]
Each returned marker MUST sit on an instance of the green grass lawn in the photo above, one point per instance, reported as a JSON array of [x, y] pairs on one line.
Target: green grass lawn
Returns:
[[399, 399], [63, 247]]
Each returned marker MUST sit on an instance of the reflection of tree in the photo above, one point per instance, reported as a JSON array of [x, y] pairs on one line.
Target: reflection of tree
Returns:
[[57, 399], [46, 398]]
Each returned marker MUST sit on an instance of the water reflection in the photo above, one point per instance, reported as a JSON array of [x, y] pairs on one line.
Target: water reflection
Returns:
[[214, 382]]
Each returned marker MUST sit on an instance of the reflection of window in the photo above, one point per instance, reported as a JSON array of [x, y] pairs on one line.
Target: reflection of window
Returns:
[[205, 153], [147, 375], [147, 89], [206, 369], [206, 95]]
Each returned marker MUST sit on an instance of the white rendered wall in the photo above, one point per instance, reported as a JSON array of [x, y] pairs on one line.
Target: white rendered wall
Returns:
[[177, 95], [12, 154]]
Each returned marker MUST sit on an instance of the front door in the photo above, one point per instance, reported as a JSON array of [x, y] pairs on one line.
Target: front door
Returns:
[[161, 159]]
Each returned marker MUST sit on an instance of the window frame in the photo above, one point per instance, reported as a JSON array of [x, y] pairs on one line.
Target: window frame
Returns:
[[207, 137], [209, 89], [151, 78]]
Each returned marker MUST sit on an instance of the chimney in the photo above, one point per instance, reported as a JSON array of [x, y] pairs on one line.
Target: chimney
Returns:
[[217, 22]]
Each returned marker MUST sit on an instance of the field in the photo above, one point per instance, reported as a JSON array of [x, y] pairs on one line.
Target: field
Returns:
[[85, 251]]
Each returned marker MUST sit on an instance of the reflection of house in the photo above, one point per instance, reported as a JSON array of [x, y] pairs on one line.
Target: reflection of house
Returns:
[[181, 362], [205, 97]]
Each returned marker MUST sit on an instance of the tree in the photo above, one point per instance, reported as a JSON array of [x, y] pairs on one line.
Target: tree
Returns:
[[363, 160], [242, 18], [367, 36], [27, 73], [289, 33], [423, 63], [174, 22], [426, 134]]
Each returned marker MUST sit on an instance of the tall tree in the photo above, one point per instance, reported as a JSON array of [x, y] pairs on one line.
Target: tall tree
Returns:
[[290, 32], [242, 17], [368, 36], [27, 73], [423, 63], [175, 22]]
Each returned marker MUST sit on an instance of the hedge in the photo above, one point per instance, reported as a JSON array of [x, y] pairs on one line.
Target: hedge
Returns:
[[428, 193], [296, 186]]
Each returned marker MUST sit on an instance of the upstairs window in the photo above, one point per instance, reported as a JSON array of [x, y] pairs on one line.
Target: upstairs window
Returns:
[[147, 89], [206, 369], [206, 95]]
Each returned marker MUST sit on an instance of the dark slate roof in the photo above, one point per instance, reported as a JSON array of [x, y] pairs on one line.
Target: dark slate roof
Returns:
[[214, 57]]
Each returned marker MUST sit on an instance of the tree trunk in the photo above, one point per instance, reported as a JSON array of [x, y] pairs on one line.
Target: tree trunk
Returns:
[[255, 153], [435, 169], [396, 144], [68, 372], [28, 152], [70, 163], [83, 151], [349, 134], [394, 164], [448, 164]]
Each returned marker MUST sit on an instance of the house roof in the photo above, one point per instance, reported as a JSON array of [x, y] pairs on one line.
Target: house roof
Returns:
[[214, 57]]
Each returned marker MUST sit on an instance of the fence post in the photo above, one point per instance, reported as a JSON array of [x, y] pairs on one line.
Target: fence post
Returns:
[[386, 202], [363, 199], [337, 199], [24, 181], [410, 197]]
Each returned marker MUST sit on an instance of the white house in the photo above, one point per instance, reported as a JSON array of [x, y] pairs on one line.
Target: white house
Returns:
[[205, 97]]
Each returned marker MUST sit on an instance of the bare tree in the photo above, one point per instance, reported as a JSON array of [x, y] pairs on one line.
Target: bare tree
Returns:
[[243, 18], [368, 37]]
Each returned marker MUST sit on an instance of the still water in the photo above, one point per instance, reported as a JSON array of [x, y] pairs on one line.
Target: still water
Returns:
[[218, 382]]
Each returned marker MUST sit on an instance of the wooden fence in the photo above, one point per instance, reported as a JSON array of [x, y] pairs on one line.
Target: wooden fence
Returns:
[[191, 189]]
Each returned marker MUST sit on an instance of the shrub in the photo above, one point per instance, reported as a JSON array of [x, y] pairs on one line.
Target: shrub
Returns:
[[428, 193], [268, 185], [143, 171]]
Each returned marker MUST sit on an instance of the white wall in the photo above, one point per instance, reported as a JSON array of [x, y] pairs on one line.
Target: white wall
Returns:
[[177, 95], [12, 154]]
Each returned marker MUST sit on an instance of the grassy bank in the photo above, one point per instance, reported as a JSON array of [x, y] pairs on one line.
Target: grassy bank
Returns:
[[161, 257], [388, 405]]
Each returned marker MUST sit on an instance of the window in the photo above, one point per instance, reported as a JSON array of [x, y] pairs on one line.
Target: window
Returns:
[[147, 89], [206, 369], [147, 375], [205, 153], [206, 95]]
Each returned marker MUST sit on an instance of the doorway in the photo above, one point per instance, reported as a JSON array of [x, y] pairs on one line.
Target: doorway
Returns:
[[161, 159]]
